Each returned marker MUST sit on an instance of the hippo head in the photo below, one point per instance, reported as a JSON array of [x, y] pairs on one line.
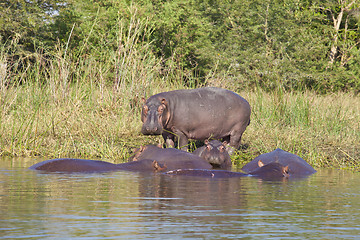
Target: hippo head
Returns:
[[215, 153], [272, 170], [138, 152], [154, 115]]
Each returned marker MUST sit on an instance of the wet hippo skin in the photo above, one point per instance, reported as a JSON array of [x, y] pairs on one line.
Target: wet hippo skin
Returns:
[[171, 158], [298, 166], [198, 114], [71, 165], [271, 171]]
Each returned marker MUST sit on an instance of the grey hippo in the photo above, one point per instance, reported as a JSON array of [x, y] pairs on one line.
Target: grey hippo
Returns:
[[271, 171], [172, 158], [298, 167], [197, 114]]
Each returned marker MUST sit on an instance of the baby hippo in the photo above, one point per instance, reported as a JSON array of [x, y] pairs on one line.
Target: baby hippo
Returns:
[[215, 153]]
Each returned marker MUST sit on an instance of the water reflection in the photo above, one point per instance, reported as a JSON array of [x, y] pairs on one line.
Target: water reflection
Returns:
[[133, 205]]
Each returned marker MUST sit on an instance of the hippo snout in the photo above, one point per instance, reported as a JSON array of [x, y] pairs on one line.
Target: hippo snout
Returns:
[[151, 130]]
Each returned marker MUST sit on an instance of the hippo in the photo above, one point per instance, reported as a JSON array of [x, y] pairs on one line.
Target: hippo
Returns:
[[71, 165], [197, 114], [171, 158], [297, 166], [215, 153], [271, 171]]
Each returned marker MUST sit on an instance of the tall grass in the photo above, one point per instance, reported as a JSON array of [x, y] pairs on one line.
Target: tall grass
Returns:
[[323, 129], [60, 105]]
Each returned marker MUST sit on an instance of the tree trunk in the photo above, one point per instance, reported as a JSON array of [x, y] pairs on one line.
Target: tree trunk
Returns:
[[337, 22]]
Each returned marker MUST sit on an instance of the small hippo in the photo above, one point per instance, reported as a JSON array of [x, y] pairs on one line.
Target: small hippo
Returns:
[[71, 165], [197, 114], [271, 171], [298, 166], [171, 158], [215, 153]]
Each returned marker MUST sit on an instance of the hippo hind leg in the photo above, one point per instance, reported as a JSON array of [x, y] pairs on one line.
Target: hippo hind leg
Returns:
[[233, 143]]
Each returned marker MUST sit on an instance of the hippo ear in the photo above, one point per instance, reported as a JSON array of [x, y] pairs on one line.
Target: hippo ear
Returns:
[[163, 101], [206, 142], [142, 148], [224, 143], [260, 163], [285, 171], [208, 147], [157, 167], [143, 100]]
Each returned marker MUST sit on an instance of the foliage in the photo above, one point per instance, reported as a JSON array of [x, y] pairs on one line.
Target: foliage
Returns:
[[289, 43]]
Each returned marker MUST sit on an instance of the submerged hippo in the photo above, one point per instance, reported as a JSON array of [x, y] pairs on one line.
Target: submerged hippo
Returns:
[[198, 114], [271, 171], [71, 165], [171, 158], [297, 166], [215, 153]]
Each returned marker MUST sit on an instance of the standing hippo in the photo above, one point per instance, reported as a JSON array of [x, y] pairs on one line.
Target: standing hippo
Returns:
[[297, 166], [71, 165], [171, 158], [271, 171], [198, 114], [215, 153]]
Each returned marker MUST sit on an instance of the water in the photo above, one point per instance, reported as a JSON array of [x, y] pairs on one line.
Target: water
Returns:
[[125, 205]]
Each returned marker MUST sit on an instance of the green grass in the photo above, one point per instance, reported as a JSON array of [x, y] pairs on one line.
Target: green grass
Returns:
[[89, 123], [324, 130]]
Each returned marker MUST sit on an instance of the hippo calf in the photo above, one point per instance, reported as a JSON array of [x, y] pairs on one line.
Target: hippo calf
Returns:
[[171, 158], [298, 167], [197, 114], [215, 153], [71, 165]]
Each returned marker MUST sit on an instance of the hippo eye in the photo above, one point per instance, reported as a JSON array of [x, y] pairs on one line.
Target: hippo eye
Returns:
[[222, 148]]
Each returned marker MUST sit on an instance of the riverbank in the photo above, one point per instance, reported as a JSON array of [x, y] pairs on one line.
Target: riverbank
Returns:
[[94, 121]]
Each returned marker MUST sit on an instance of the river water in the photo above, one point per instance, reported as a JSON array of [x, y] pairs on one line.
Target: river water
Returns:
[[127, 205]]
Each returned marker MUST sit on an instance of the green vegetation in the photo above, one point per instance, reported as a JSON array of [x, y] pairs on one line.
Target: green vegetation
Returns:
[[72, 74]]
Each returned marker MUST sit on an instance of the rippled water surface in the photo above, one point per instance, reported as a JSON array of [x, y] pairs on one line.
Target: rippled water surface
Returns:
[[126, 205]]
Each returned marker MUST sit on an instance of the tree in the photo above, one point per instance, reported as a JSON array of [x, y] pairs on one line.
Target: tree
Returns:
[[26, 22]]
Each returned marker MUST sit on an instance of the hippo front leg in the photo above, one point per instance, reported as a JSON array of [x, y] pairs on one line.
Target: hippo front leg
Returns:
[[176, 137], [169, 139]]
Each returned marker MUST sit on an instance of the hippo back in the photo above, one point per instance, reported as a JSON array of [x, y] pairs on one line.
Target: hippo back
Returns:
[[297, 165], [71, 165]]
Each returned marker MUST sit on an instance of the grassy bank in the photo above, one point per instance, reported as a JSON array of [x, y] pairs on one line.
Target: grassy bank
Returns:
[[92, 120], [60, 103]]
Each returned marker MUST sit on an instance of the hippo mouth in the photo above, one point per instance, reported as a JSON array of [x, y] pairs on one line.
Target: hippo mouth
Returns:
[[151, 131]]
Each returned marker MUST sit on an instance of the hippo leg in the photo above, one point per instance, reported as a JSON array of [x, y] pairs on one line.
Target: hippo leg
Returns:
[[234, 143], [176, 136], [169, 139]]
